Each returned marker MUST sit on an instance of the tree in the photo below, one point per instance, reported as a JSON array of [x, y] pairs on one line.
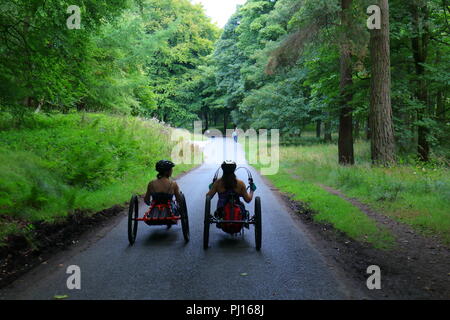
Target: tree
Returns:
[[382, 135], [292, 64], [345, 143], [41, 60], [191, 37], [420, 41]]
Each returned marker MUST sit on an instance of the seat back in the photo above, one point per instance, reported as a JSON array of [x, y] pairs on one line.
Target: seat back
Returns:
[[161, 198]]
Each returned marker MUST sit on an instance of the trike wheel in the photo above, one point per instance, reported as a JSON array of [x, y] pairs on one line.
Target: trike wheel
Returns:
[[258, 223], [207, 223], [184, 218], [133, 213]]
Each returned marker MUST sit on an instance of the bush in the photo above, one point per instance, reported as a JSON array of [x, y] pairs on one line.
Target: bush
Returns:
[[56, 164]]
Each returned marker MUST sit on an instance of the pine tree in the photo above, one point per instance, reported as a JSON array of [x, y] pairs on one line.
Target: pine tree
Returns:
[[382, 137]]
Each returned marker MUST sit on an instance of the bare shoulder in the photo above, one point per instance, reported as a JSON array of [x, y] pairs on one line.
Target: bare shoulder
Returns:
[[175, 184], [150, 187], [241, 185], [218, 183]]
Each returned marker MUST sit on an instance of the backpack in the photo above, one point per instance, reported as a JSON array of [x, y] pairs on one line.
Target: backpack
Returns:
[[232, 211]]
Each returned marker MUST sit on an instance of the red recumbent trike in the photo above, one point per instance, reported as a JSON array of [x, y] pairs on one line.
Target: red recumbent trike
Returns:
[[233, 217], [162, 211]]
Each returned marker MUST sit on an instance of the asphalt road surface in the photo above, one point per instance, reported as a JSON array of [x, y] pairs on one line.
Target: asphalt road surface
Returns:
[[161, 266]]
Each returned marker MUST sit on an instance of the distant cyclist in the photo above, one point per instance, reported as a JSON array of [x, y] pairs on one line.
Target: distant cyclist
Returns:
[[235, 135]]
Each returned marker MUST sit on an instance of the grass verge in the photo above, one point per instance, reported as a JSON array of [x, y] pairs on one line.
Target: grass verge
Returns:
[[414, 194], [54, 165], [334, 210]]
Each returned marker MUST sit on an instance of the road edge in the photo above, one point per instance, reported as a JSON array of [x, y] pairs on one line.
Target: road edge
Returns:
[[353, 287], [76, 233]]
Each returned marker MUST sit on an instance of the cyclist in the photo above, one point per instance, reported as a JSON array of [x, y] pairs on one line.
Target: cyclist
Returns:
[[229, 185], [163, 189]]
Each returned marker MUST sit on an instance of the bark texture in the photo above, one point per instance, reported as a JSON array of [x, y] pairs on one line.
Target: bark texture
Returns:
[[345, 143], [382, 128]]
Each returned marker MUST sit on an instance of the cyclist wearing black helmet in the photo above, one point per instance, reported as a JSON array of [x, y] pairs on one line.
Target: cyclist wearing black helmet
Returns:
[[163, 188], [230, 184]]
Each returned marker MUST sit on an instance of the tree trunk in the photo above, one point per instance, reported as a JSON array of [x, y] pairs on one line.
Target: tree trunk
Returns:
[[440, 100], [206, 116], [420, 40], [440, 107], [345, 144], [318, 128], [215, 118], [356, 130], [327, 129], [382, 137], [225, 122], [368, 130]]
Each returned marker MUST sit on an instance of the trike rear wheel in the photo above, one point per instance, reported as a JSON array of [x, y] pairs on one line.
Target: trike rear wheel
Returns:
[[184, 218], [258, 223], [207, 223], [133, 213]]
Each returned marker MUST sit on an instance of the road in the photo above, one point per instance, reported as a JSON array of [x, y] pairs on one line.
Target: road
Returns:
[[161, 266]]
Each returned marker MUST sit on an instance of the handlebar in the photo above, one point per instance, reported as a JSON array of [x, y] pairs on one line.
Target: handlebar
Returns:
[[250, 177]]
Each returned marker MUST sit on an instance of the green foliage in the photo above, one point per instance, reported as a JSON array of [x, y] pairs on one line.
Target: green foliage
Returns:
[[128, 57], [82, 161], [41, 59], [175, 62], [410, 192], [334, 210], [305, 37]]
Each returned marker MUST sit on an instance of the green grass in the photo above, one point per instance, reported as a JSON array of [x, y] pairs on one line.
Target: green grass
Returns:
[[334, 210], [413, 194], [409, 192], [54, 165]]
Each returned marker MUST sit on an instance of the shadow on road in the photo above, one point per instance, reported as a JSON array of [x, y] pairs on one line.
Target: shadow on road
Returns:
[[162, 237], [232, 242]]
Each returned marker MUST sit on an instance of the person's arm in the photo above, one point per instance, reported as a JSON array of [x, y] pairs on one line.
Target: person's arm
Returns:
[[148, 194], [248, 196], [177, 192], [212, 192]]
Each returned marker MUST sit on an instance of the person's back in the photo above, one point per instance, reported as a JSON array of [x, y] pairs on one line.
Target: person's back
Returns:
[[163, 188], [228, 185], [240, 190]]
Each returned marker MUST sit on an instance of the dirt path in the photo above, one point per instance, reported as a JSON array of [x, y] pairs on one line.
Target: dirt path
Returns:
[[426, 259], [418, 267]]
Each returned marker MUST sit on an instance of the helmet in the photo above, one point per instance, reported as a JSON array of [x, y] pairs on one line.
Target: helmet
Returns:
[[164, 165], [229, 166]]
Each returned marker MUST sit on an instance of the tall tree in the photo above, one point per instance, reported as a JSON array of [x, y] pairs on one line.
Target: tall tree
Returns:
[[382, 137], [420, 41], [346, 151]]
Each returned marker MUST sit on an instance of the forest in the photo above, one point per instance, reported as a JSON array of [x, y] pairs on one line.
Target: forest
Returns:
[[291, 64], [288, 65], [360, 98]]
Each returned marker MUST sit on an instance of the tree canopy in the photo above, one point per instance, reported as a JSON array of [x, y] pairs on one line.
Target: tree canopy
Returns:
[[280, 64]]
